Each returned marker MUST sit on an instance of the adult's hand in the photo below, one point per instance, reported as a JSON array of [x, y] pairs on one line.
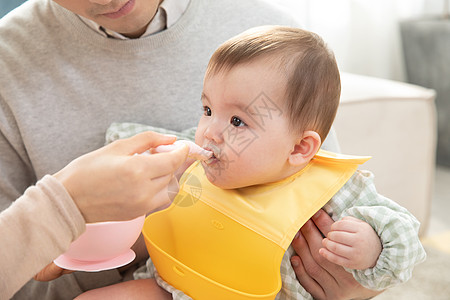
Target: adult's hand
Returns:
[[321, 278], [50, 272], [112, 183]]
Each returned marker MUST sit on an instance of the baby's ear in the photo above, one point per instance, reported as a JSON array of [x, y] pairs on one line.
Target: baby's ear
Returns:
[[305, 148]]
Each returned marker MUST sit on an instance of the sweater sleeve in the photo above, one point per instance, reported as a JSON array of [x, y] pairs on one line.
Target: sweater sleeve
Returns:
[[34, 230], [396, 227]]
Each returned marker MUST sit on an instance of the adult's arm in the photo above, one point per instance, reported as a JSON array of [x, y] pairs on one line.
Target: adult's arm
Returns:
[[321, 278], [34, 230], [108, 184]]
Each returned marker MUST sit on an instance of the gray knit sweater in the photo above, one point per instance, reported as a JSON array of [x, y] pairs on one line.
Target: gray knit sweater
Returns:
[[61, 86]]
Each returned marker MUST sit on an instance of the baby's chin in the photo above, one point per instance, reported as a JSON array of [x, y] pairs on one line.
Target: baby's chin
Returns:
[[221, 183]]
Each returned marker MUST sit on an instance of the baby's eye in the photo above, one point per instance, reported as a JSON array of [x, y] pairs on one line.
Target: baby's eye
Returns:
[[207, 111], [235, 121]]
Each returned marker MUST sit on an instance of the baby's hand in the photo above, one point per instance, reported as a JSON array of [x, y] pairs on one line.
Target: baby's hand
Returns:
[[352, 243]]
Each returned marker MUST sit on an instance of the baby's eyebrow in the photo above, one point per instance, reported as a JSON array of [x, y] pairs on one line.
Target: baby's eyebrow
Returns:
[[249, 110], [241, 106], [204, 97]]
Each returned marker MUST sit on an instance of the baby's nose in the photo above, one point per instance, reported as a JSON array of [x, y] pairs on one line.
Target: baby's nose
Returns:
[[214, 133]]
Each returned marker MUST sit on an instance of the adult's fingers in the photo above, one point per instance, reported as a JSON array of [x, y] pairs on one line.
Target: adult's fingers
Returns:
[[314, 240], [142, 142], [166, 195], [320, 277], [50, 272], [306, 268], [323, 221], [312, 235], [163, 164]]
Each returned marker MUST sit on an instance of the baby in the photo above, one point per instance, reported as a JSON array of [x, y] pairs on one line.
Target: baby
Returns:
[[269, 99]]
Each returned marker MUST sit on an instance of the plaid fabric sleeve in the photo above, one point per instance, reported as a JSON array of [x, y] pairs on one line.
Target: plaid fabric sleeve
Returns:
[[396, 227], [291, 288], [149, 271]]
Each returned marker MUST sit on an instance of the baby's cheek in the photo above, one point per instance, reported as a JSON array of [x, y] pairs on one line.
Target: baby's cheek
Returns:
[[198, 138], [238, 141]]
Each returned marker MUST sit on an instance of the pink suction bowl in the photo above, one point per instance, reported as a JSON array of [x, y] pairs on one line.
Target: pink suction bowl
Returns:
[[105, 240]]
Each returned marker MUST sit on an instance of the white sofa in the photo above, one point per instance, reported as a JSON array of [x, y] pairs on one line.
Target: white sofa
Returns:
[[395, 123]]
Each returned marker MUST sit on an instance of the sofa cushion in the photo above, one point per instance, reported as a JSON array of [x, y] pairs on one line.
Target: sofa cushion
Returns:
[[396, 124]]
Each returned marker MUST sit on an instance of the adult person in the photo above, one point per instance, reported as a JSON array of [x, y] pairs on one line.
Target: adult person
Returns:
[[107, 184], [71, 68]]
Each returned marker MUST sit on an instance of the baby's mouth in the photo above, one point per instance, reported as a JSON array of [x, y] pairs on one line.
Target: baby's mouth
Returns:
[[215, 153]]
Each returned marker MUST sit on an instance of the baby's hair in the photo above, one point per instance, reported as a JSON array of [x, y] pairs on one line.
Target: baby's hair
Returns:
[[313, 82]]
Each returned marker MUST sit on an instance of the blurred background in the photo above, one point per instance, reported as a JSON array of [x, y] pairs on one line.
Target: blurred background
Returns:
[[7, 5], [365, 34]]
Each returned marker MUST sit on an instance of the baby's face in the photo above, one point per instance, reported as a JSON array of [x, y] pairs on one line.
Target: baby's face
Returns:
[[246, 126]]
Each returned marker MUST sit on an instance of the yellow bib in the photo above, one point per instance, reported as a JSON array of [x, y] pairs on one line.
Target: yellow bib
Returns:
[[228, 244]]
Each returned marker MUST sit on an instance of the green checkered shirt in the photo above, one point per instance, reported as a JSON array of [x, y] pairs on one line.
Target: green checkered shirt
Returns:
[[396, 227]]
